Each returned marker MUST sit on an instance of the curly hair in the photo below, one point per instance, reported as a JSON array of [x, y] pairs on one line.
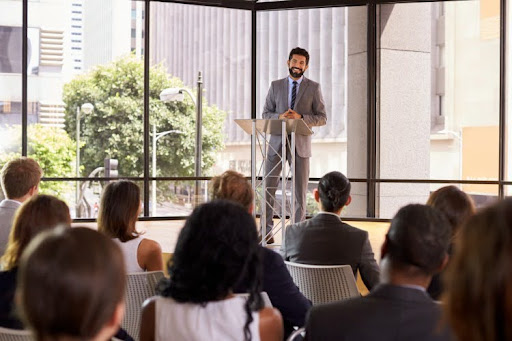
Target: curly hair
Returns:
[[119, 208], [217, 247], [478, 281], [334, 190], [233, 186]]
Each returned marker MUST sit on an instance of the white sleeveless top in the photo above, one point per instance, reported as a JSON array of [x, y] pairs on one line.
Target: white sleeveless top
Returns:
[[220, 320], [129, 249]]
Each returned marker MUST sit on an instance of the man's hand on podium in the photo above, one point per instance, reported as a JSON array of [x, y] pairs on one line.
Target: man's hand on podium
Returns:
[[290, 114]]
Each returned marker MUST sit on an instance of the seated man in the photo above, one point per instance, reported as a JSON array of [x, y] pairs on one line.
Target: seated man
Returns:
[[326, 240], [399, 308], [20, 181]]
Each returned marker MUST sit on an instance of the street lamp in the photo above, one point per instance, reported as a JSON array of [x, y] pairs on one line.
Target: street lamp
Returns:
[[156, 137], [87, 108], [176, 94]]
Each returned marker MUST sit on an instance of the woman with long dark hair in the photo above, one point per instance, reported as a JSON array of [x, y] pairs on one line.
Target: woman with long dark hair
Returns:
[[217, 247], [119, 209]]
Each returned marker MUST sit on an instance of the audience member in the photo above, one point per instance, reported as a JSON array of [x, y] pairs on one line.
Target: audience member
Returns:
[[326, 239], [457, 206], [277, 282], [71, 286], [119, 209], [20, 180], [215, 249], [40, 213], [398, 309], [478, 281]]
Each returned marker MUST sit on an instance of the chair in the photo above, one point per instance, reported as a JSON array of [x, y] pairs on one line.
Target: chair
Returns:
[[7, 334], [297, 335], [264, 297], [139, 287], [324, 283]]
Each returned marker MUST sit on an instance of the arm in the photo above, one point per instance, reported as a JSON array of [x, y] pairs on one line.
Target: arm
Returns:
[[147, 324], [149, 255], [318, 117], [270, 107], [368, 267], [271, 325], [282, 291]]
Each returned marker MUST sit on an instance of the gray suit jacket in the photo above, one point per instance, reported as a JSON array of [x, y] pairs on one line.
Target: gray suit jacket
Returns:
[[309, 103], [388, 313], [326, 240], [7, 210]]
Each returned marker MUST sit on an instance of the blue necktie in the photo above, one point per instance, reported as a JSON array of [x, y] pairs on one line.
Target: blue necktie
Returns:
[[294, 94]]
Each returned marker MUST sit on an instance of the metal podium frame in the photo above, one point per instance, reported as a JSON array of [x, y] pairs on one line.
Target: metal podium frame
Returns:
[[260, 131]]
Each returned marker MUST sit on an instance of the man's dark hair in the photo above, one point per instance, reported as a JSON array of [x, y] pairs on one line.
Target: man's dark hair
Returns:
[[419, 236], [300, 52], [334, 190]]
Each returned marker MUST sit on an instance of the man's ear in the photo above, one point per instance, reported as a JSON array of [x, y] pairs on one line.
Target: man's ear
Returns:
[[444, 263], [316, 194], [305, 68], [349, 200], [251, 209], [33, 191]]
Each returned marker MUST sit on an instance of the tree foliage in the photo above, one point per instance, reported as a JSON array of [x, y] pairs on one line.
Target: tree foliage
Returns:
[[115, 127], [52, 148]]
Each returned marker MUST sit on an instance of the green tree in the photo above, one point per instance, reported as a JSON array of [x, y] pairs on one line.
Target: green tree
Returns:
[[52, 148], [115, 127]]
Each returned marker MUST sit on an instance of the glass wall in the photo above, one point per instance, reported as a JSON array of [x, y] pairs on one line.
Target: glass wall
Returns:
[[437, 82], [10, 79]]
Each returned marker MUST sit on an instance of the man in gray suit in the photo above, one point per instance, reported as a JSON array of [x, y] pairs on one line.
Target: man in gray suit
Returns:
[[399, 309], [326, 240], [20, 181], [293, 97]]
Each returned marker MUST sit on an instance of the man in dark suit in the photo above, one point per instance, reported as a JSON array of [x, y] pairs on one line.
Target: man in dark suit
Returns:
[[293, 97], [398, 309], [326, 240]]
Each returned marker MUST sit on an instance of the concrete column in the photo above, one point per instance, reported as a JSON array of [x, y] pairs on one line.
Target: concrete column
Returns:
[[405, 99]]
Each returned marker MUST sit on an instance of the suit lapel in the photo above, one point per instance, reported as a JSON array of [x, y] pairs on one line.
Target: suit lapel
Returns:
[[303, 86], [284, 91]]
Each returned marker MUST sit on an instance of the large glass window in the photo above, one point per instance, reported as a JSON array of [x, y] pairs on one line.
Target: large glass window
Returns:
[[10, 80], [438, 96]]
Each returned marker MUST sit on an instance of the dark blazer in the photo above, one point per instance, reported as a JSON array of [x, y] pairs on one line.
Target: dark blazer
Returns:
[[326, 240], [283, 293], [388, 313]]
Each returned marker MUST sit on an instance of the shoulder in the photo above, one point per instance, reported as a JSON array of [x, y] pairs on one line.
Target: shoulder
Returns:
[[271, 324], [270, 259], [311, 83], [355, 230], [149, 245]]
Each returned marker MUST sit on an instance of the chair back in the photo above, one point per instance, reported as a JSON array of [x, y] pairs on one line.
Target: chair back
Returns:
[[7, 334], [264, 298], [297, 335], [139, 287], [324, 283]]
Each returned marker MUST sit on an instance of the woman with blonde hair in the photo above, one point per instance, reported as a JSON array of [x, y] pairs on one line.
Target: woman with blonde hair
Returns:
[[119, 209], [40, 213]]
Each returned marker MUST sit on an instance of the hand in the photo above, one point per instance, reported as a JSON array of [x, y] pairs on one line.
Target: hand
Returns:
[[283, 115], [293, 114]]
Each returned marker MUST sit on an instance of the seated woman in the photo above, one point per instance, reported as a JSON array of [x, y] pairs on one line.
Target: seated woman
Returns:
[[71, 286], [40, 213], [478, 281], [277, 282], [457, 206], [119, 208], [216, 248]]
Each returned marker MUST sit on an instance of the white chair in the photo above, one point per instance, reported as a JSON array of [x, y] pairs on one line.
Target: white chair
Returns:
[[7, 334], [297, 335], [264, 297], [139, 287], [324, 283]]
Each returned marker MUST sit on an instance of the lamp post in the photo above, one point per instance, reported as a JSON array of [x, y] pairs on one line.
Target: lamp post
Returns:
[[87, 108], [156, 137], [176, 94]]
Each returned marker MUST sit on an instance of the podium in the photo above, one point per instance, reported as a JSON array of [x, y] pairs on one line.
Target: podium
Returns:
[[261, 130]]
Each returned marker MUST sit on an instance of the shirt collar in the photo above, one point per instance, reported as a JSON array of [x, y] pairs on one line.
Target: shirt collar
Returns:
[[13, 201], [331, 213], [412, 286], [290, 81]]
